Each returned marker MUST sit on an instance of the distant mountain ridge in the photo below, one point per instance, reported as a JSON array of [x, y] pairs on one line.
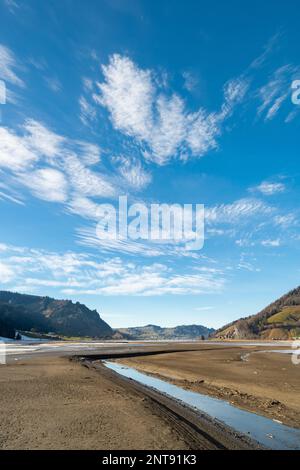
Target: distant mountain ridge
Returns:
[[152, 332], [279, 320], [47, 315]]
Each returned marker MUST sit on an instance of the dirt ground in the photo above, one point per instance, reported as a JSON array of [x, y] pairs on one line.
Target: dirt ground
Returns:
[[51, 403], [266, 383]]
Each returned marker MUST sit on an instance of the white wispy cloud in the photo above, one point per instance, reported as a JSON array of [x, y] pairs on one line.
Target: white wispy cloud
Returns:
[[269, 188], [133, 173], [21, 150], [90, 154], [75, 274], [190, 80], [169, 130], [54, 84], [85, 181], [268, 49], [88, 112], [150, 282], [87, 237], [238, 211], [128, 93], [292, 114], [55, 168], [276, 91], [15, 153], [42, 140], [250, 222], [48, 184], [6, 273], [9, 67], [84, 207], [268, 231], [271, 243], [247, 222], [9, 197], [235, 91], [202, 132], [160, 124], [246, 266], [87, 84], [285, 220], [244, 242], [12, 5], [39, 64]]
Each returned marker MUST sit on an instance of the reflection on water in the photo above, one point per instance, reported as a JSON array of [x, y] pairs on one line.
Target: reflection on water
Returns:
[[265, 431]]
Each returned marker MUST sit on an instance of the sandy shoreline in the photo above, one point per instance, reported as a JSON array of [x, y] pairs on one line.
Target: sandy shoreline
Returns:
[[56, 403], [51, 403], [48, 402]]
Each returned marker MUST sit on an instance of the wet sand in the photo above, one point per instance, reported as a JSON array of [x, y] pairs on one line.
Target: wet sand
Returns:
[[266, 383], [52, 403]]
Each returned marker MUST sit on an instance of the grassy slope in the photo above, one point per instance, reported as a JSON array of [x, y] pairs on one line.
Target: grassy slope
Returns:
[[279, 320], [286, 315]]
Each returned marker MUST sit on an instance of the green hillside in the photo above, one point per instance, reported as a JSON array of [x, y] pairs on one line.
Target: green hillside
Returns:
[[286, 315], [279, 320]]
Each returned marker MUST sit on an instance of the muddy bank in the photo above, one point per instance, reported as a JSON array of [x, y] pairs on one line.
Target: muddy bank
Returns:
[[200, 431], [267, 383]]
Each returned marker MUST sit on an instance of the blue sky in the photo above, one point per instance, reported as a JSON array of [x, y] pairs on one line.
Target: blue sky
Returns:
[[165, 102]]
